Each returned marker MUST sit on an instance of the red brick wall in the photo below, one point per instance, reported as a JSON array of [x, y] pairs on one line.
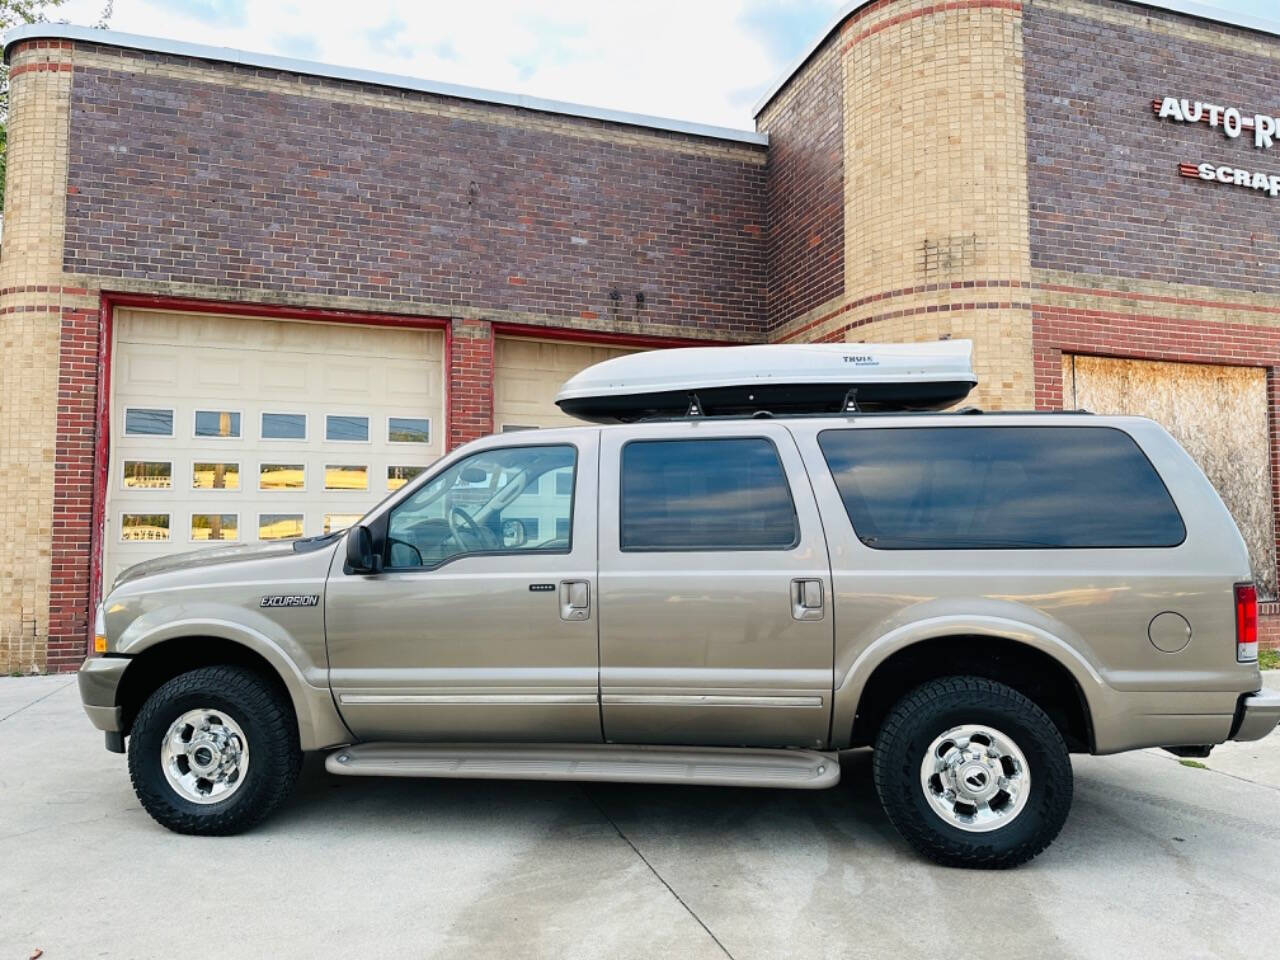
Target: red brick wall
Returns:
[[490, 208], [69, 623], [1269, 626], [805, 188], [470, 381], [1104, 190]]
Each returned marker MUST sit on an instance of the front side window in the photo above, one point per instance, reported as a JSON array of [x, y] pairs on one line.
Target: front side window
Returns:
[[720, 494], [508, 500], [993, 488]]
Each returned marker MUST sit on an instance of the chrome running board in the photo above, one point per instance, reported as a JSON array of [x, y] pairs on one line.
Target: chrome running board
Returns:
[[713, 766]]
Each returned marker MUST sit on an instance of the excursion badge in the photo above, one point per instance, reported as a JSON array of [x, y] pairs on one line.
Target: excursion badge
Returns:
[[291, 600]]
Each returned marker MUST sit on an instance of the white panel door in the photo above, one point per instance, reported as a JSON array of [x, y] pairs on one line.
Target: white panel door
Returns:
[[241, 430], [527, 375]]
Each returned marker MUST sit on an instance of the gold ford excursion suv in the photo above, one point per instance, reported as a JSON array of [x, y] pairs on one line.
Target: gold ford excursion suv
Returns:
[[713, 600]]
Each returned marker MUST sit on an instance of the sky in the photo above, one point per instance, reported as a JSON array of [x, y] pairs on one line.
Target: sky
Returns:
[[705, 61]]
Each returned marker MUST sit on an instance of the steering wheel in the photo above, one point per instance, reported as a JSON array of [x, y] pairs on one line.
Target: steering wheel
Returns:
[[468, 534]]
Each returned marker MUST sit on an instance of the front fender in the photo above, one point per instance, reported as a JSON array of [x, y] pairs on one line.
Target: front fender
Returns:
[[305, 679], [853, 674]]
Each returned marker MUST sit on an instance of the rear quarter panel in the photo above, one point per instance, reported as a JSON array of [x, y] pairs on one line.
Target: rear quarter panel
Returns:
[[1088, 608]]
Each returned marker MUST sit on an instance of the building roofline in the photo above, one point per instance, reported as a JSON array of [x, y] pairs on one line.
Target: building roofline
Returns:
[[130, 41], [1188, 7]]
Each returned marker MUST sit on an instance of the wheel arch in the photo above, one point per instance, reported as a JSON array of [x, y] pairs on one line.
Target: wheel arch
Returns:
[[1040, 666], [160, 657]]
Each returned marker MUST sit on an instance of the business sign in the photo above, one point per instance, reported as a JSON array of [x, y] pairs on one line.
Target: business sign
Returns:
[[1232, 121], [1263, 128], [1268, 183]]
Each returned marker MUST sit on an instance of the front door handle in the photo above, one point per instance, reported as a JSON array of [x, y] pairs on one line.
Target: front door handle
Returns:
[[575, 599], [806, 599]]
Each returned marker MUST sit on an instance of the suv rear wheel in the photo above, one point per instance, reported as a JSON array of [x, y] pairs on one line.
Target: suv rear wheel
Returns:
[[972, 773], [214, 751]]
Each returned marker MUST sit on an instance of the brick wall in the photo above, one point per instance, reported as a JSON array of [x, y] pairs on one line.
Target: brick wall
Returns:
[[1105, 193], [470, 381], [73, 488], [805, 188], [1269, 626], [268, 183]]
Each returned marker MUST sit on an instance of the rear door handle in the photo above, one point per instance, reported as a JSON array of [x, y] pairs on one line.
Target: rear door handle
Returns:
[[806, 599], [575, 599]]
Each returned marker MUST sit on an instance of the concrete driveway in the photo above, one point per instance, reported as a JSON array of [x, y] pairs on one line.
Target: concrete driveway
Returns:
[[1157, 860]]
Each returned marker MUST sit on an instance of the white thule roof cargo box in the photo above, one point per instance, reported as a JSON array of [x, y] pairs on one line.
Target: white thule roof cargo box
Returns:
[[785, 379]]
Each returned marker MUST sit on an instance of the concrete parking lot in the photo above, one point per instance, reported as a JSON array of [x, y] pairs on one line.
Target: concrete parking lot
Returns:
[[1157, 859]]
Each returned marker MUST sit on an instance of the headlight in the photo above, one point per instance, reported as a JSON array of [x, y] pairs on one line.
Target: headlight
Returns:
[[100, 630]]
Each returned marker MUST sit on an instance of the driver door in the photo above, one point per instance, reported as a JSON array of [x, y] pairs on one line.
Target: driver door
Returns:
[[482, 624]]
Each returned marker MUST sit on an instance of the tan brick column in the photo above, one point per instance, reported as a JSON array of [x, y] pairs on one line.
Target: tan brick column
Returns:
[[31, 303], [936, 230]]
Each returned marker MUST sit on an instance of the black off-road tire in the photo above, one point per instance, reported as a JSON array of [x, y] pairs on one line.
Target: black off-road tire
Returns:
[[936, 707], [264, 714]]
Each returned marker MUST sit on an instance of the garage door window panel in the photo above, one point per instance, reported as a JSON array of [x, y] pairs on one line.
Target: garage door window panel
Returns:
[[502, 501], [346, 476], [279, 526], [346, 428], [148, 422], [397, 477], [278, 477], [334, 522], [215, 475], [217, 425], [408, 430], [214, 527], [147, 475], [144, 527], [283, 426]]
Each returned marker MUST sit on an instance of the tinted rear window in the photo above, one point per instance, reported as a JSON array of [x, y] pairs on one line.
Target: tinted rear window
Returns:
[[953, 488], [729, 494]]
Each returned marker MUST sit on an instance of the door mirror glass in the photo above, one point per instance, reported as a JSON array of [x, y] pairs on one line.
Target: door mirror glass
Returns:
[[513, 535], [361, 554]]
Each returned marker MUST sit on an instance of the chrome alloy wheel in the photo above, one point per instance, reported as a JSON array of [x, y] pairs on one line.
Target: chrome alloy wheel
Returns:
[[975, 778], [205, 756]]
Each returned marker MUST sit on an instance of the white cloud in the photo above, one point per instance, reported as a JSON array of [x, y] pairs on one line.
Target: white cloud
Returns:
[[704, 61]]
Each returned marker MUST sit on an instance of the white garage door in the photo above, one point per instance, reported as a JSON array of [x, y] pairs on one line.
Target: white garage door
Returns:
[[239, 430], [527, 375]]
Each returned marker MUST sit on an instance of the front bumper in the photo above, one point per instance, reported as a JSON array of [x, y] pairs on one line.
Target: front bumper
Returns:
[[99, 679], [1259, 715]]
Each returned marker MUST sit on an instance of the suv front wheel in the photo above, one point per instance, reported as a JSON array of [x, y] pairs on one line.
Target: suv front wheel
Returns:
[[972, 773], [214, 751]]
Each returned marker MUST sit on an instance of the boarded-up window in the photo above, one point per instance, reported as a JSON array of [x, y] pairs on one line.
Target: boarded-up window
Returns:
[[1218, 414]]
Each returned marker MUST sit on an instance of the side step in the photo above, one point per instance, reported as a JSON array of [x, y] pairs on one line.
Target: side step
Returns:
[[714, 766]]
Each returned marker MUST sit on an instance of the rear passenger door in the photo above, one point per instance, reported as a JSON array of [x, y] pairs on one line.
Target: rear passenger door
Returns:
[[715, 588]]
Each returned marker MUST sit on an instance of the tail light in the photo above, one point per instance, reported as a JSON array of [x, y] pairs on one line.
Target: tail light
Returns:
[[1246, 623]]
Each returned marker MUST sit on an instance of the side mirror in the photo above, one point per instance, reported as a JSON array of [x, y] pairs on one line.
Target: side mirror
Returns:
[[361, 555], [513, 533]]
